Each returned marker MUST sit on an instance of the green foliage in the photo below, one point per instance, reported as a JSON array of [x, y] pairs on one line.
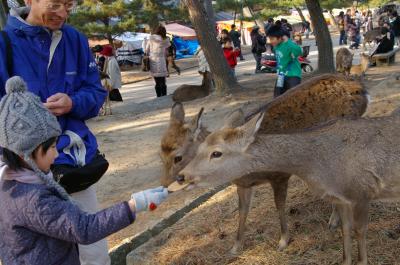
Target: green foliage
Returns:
[[376, 3], [106, 18]]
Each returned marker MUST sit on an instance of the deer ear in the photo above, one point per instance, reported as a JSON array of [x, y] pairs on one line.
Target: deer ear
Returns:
[[234, 119], [196, 123], [177, 113], [250, 129]]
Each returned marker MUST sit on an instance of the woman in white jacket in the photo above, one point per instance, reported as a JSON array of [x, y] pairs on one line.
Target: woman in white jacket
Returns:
[[111, 68], [156, 49]]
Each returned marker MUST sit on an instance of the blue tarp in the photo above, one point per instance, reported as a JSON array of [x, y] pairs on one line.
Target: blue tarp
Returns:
[[185, 48]]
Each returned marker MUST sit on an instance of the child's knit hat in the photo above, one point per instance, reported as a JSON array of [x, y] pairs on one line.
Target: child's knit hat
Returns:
[[25, 123]]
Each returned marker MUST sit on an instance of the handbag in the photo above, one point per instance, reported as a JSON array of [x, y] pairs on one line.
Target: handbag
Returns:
[[74, 178], [146, 63]]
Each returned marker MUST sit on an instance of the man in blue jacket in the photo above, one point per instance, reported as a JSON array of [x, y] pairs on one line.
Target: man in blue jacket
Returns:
[[55, 61]]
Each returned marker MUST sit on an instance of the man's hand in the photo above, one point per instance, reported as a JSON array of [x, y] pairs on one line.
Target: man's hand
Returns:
[[59, 104]]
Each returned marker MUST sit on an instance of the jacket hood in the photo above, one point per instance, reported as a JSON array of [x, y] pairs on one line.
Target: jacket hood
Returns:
[[16, 22], [23, 176]]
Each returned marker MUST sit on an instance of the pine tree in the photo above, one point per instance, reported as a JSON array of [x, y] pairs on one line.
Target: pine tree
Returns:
[[105, 19]]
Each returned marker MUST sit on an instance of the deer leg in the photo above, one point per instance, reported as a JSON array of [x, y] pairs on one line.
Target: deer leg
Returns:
[[334, 220], [280, 193], [244, 207], [345, 213], [360, 217]]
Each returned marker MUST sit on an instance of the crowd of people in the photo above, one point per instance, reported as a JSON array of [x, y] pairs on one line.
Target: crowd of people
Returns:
[[352, 25]]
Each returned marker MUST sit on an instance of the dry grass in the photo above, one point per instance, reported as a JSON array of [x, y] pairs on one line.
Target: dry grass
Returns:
[[205, 236]]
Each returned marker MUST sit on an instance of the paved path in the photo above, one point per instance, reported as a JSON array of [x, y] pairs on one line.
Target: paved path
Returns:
[[144, 90]]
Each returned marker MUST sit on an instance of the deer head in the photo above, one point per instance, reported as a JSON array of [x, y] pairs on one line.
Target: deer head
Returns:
[[223, 156], [180, 142]]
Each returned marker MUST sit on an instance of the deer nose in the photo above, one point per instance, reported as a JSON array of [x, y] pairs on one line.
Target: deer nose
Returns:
[[180, 178]]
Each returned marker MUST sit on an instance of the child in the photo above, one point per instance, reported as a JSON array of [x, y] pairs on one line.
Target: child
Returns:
[[286, 52], [230, 54], [39, 223]]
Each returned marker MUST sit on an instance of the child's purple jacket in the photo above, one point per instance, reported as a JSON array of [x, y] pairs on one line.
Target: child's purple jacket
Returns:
[[38, 227]]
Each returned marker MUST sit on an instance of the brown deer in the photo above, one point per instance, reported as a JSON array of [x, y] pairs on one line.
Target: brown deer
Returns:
[[344, 61], [191, 92], [360, 69], [320, 99], [348, 162]]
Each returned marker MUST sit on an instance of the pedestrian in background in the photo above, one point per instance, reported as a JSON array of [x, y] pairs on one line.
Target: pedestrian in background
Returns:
[[235, 36], [157, 51], [258, 46]]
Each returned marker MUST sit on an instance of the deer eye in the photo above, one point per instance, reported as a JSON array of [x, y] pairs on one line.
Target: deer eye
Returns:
[[216, 154], [177, 159]]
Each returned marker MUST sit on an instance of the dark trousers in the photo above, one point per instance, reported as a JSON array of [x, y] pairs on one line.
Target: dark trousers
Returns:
[[161, 86], [257, 57], [343, 37], [290, 81]]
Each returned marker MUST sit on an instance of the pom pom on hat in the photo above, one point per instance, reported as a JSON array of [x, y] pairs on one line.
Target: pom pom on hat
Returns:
[[15, 85]]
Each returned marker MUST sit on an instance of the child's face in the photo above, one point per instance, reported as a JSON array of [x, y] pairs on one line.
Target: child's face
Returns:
[[45, 159], [275, 40]]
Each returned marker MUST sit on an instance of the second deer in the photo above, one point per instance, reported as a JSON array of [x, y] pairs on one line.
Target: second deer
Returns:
[[320, 99]]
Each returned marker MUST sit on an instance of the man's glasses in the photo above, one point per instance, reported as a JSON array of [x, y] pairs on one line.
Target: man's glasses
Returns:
[[57, 6]]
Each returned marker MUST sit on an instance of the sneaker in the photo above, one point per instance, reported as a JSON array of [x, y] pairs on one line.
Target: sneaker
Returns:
[[258, 72]]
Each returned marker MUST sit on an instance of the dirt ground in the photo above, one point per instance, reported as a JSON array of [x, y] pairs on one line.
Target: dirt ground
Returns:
[[206, 234]]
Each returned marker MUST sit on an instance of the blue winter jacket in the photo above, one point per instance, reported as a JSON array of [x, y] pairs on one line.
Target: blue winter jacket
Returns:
[[72, 70]]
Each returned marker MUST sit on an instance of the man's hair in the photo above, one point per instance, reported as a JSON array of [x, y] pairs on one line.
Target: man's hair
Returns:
[[275, 31], [14, 162], [160, 30], [233, 26], [394, 13], [270, 20]]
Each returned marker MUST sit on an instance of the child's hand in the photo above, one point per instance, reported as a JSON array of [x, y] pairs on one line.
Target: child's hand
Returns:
[[149, 199]]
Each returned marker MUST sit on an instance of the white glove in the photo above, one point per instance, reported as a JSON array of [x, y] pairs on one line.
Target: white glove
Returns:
[[149, 199]]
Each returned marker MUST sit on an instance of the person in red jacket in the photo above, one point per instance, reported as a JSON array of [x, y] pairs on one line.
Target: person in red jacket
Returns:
[[230, 54]]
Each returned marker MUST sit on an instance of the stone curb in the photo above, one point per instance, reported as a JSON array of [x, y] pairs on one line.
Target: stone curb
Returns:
[[119, 253]]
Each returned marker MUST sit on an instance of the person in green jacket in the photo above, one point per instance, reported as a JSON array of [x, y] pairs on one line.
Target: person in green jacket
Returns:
[[288, 65]]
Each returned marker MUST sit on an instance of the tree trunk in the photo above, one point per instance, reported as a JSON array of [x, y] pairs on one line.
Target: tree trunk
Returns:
[[298, 9], [224, 79], [210, 11], [323, 37], [3, 14]]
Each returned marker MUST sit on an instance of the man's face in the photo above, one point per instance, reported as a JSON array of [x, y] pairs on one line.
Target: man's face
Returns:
[[51, 13]]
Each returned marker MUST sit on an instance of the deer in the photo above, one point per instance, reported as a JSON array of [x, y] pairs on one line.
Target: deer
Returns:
[[344, 61], [360, 69], [348, 162], [320, 99], [191, 92]]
